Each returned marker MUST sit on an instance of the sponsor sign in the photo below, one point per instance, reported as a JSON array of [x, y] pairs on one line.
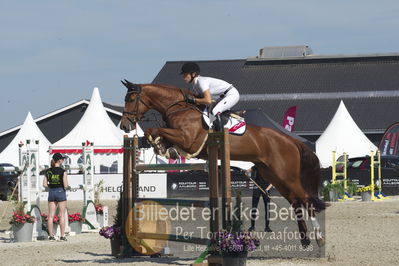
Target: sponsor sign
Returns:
[[389, 142], [195, 184], [152, 185]]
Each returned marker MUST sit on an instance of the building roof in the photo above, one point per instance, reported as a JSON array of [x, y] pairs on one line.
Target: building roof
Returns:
[[259, 118], [60, 122], [113, 109], [315, 84]]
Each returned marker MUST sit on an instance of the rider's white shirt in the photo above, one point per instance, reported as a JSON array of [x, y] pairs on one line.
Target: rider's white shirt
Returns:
[[216, 86]]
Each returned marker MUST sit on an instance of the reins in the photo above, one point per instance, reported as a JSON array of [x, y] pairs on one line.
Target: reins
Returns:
[[166, 115]]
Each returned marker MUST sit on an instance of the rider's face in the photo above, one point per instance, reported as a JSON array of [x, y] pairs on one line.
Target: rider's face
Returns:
[[187, 77]]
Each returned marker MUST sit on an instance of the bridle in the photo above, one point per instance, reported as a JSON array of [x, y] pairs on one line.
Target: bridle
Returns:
[[135, 112]]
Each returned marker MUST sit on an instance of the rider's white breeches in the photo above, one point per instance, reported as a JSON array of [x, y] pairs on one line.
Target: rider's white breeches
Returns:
[[227, 102]]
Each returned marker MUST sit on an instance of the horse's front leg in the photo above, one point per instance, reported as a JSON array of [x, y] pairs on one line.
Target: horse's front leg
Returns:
[[162, 138], [152, 135]]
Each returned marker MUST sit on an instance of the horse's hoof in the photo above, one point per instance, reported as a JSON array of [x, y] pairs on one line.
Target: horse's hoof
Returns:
[[321, 241], [305, 242], [173, 153], [163, 151], [160, 150]]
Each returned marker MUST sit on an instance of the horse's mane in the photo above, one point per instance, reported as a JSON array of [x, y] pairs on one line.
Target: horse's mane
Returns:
[[171, 88]]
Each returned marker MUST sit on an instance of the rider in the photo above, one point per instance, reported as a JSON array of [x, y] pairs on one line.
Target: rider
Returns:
[[224, 94]]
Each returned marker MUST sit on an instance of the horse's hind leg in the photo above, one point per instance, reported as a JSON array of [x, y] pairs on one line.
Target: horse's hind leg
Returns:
[[316, 226], [308, 205], [295, 199], [296, 204], [291, 189]]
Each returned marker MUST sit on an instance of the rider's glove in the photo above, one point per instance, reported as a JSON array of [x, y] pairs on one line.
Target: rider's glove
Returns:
[[190, 99]]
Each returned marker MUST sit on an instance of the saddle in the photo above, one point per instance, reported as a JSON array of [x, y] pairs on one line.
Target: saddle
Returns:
[[234, 121], [239, 115]]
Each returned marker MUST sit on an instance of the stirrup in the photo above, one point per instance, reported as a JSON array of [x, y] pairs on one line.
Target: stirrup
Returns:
[[217, 124]]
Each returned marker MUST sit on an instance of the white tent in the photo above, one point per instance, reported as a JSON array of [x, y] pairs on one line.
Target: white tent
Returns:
[[95, 127], [28, 131], [342, 135]]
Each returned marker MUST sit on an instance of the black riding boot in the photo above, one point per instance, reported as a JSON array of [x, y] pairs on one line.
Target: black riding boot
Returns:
[[217, 124]]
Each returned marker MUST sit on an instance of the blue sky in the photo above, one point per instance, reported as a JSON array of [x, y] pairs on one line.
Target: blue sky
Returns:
[[52, 53]]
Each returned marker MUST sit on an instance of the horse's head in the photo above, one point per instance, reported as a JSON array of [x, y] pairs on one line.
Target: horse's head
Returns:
[[135, 106]]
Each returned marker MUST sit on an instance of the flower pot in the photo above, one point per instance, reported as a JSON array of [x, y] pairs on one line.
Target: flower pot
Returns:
[[76, 227], [100, 220], [333, 193], [234, 259], [23, 232], [366, 195], [115, 246]]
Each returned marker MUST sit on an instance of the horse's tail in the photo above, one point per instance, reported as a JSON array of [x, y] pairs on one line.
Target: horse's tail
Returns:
[[311, 175]]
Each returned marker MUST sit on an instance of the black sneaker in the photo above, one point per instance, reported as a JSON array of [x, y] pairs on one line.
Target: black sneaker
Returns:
[[63, 238], [51, 238], [252, 228], [267, 229]]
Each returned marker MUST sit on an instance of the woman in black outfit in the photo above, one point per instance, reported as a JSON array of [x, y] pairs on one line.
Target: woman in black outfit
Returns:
[[56, 180], [256, 194]]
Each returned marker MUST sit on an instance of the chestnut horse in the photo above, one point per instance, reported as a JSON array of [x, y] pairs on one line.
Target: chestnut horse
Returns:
[[282, 160]]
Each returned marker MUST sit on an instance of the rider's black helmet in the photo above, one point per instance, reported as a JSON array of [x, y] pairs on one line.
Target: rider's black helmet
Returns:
[[190, 67]]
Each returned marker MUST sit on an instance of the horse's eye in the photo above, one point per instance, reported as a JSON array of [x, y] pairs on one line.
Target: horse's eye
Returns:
[[127, 99]]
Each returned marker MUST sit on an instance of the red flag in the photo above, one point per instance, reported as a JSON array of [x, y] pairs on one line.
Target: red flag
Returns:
[[390, 140], [289, 119]]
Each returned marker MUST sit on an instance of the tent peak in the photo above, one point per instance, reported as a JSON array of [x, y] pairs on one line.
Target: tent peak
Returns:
[[95, 125]]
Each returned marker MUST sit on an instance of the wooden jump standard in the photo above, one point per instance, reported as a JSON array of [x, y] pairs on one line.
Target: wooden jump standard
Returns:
[[218, 147]]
